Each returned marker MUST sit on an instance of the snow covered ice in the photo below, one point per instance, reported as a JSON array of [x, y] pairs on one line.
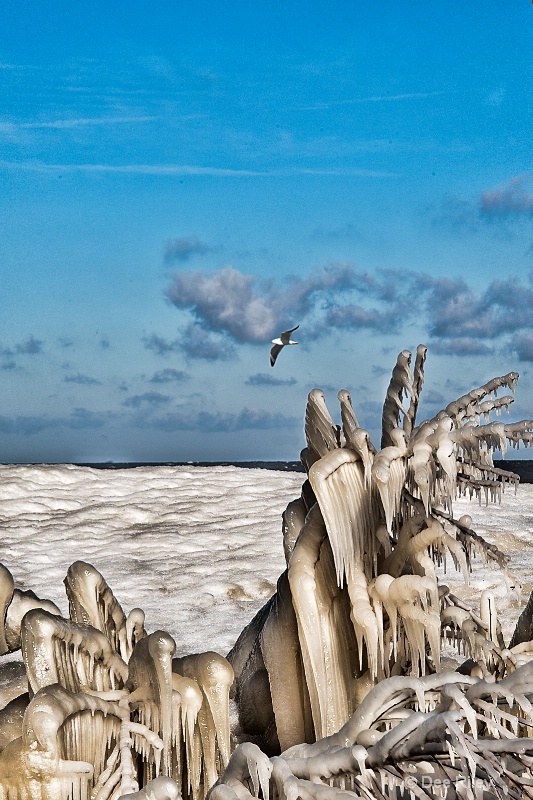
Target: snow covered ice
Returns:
[[198, 548]]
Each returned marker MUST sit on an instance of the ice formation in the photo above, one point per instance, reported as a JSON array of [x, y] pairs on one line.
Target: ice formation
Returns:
[[337, 681], [109, 712], [362, 618]]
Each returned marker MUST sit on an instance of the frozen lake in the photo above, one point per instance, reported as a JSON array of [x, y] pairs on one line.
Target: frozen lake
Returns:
[[198, 548]]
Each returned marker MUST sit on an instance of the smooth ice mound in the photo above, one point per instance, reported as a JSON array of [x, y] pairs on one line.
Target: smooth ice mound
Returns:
[[364, 673]]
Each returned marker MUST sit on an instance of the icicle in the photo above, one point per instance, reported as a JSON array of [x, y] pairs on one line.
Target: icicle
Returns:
[[320, 430], [134, 630], [151, 665], [247, 762], [356, 438], [401, 382], [48, 645], [379, 592], [281, 651], [328, 697], [191, 699], [214, 675], [389, 472], [364, 621], [360, 754], [418, 621], [349, 510], [489, 614], [92, 602]]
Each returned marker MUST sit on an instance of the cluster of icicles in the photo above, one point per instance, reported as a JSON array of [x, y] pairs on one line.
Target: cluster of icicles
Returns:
[[109, 712], [337, 680]]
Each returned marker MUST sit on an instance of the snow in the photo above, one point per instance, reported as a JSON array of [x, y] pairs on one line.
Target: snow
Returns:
[[198, 548]]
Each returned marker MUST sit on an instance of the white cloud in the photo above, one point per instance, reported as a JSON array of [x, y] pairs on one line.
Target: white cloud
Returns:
[[182, 169], [75, 123]]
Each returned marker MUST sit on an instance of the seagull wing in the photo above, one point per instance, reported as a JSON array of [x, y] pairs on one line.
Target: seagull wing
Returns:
[[286, 335], [274, 353]]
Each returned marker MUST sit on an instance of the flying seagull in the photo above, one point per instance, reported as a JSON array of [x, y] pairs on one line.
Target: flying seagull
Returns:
[[280, 343]]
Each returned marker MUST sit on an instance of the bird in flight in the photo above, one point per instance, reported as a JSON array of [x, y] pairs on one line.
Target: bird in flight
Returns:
[[279, 344]]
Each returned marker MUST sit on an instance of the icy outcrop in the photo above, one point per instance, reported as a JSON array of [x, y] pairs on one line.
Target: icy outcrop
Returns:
[[96, 726], [79, 657], [92, 602], [361, 572]]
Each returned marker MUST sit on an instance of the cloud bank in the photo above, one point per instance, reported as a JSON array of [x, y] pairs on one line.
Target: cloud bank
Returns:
[[83, 380], [78, 419], [511, 199], [184, 248], [223, 422], [31, 346], [230, 302], [265, 379], [169, 375], [146, 399], [230, 307]]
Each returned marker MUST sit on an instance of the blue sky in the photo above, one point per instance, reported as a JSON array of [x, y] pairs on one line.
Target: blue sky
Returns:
[[183, 180]]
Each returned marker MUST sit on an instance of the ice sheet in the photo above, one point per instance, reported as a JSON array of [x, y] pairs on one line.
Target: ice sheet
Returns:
[[198, 548]]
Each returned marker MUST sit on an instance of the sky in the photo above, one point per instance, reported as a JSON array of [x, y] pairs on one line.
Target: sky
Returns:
[[182, 181]]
